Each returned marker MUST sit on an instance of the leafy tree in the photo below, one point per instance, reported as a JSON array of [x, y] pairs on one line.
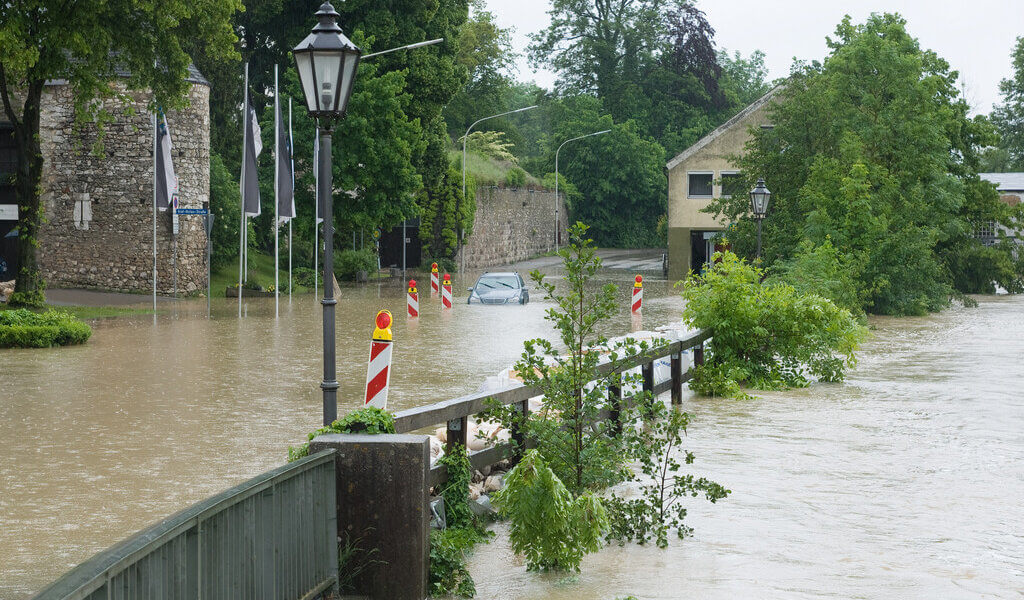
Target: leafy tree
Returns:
[[443, 214], [744, 79], [42, 40], [1009, 116], [768, 334], [873, 150], [224, 199]]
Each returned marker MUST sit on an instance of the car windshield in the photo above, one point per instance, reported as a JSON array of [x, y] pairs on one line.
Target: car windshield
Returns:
[[497, 282]]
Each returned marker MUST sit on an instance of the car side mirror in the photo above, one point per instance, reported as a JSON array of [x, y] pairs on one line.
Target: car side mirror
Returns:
[[469, 289]]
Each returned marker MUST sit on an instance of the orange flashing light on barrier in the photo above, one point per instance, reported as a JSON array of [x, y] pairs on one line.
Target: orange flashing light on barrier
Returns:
[[378, 370], [433, 279], [446, 291]]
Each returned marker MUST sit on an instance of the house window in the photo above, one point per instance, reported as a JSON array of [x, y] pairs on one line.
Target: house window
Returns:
[[699, 185], [986, 232], [731, 185]]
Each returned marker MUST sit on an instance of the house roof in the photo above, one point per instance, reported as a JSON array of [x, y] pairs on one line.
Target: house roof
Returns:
[[1005, 182], [737, 118]]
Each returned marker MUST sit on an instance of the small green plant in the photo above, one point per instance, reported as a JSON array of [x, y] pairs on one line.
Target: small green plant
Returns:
[[456, 489], [27, 299], [516, 177], [718, 380], [659, 509], [353, 560], [23, 328], [350, 262], [365, 420], [303, 276], [448, 572], [550, 527]]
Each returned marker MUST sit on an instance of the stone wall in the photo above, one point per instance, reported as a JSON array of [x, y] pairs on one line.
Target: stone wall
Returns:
[[513, 224], [98, 229]]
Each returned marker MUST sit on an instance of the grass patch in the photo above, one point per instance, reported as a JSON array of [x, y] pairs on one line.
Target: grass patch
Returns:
[[487, 171], [23, 328], [261, 270], [101, 312]]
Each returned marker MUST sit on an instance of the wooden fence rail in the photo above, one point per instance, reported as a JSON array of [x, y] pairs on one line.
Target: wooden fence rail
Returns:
[[455, 413]]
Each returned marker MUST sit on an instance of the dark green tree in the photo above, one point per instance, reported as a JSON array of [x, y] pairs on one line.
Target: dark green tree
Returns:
[[1009, 115], [873, 150], [42, 40]]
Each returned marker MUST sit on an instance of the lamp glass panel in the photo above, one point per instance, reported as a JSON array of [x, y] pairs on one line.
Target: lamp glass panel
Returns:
[[348, 78], [304, 64], [328, 66]]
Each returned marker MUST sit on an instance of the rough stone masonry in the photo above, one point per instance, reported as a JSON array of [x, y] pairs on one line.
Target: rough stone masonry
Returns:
[[98, 226]]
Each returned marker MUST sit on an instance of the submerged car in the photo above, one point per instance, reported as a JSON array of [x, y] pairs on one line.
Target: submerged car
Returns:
[[499, 288]]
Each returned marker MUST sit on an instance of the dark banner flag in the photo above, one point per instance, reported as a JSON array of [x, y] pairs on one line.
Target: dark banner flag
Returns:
[[285, 188], [253, 146], [166, 182]]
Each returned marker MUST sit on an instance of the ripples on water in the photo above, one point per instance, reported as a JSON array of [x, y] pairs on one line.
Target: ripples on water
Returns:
[[905, 482]]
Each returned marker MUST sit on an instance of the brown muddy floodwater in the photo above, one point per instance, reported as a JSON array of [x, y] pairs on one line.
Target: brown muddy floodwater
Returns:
[[904, 482]]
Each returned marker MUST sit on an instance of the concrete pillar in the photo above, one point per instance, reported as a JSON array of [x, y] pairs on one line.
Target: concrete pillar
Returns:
[[383, 501]]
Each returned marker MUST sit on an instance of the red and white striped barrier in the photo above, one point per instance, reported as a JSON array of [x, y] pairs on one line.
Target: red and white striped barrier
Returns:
[[446, 291], [638, 293], [378, 371], [433, 279], [414, 299]]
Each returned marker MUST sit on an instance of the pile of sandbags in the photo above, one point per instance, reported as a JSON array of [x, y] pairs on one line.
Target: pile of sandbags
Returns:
[[6, 289]]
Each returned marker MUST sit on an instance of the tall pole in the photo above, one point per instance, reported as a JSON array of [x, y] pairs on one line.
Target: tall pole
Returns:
[[330, 382], [316, 217], [403, 246], [291, 147], [154, 211], [559, 149], [462, 255], [277, 176], [241, 204], [759, 219]]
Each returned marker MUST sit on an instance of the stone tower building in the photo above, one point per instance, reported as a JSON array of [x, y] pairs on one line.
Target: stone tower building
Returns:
[[98, 227]]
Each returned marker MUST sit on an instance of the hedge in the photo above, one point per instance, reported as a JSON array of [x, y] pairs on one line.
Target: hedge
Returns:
[[23, 328]]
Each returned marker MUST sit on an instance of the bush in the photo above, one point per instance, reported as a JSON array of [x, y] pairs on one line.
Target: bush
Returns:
[[718, 380], [448, 572], [551, 528], [824, 271], [369, 420], [769, 332], [303, 276], [349, 262], [516, 177], [22, 328]]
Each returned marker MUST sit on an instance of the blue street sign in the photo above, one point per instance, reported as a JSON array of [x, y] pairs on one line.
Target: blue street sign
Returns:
[[193, 211]]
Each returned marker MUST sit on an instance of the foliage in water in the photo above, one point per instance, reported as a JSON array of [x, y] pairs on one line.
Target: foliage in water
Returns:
[[456, 489], [368, 420], [23, 328], [448, 572], [769, 334], [548, 525], [660, 508]]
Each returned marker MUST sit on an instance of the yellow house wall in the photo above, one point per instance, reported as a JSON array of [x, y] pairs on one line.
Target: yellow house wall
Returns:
[[684, 213]]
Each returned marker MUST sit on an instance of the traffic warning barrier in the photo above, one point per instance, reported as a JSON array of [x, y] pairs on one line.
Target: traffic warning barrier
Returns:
[[638, 293], [414, 299], [378, 371], [433, 279], [446, 291]]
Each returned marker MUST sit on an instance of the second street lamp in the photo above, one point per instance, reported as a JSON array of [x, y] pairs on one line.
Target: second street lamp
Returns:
[[759, 197], [556, 175]]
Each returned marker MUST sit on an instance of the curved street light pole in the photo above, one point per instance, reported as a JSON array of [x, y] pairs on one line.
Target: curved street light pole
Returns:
[[556, 175], [462, 255]]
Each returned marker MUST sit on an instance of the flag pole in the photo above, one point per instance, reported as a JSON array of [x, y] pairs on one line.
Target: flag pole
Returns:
[[154, 209], [291, 157], [277, 176], [316, 217], [241, 203]]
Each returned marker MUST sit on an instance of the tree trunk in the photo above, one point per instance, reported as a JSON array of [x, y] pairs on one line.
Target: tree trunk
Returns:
[[28, 285]]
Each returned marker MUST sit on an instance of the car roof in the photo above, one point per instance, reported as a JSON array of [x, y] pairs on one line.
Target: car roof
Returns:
[[501, 273]]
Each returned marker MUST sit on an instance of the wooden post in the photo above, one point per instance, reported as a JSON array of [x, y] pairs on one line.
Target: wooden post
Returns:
[[615, 403], [457, 431], [677, 378], [698, 354], [647, 371], [518, 436]]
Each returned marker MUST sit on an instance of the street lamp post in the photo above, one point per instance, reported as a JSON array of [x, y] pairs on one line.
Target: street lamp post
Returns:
[[559, 149], [327, 63], [462, 260], [759, 198]]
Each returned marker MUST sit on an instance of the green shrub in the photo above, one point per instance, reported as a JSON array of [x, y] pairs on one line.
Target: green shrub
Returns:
[[303, 276], [718, 380], [444, 265], [369, 420], [349, 262], [456, 490], [773, 334], [516, 177], [551, 528], [824, 271], [22, 328], [448, 572], [29, 299]]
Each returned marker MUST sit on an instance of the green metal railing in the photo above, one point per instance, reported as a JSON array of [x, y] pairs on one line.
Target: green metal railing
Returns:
[[274, 536]]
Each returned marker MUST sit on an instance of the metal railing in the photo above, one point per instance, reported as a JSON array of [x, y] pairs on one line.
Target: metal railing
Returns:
[[455, 413], [274, 536]]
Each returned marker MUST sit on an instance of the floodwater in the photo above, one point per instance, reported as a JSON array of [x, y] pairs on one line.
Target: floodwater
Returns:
[[150, 416], [907, 481], [904, 482]]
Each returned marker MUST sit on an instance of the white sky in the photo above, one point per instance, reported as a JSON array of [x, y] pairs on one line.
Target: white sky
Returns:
[[974, 36]]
